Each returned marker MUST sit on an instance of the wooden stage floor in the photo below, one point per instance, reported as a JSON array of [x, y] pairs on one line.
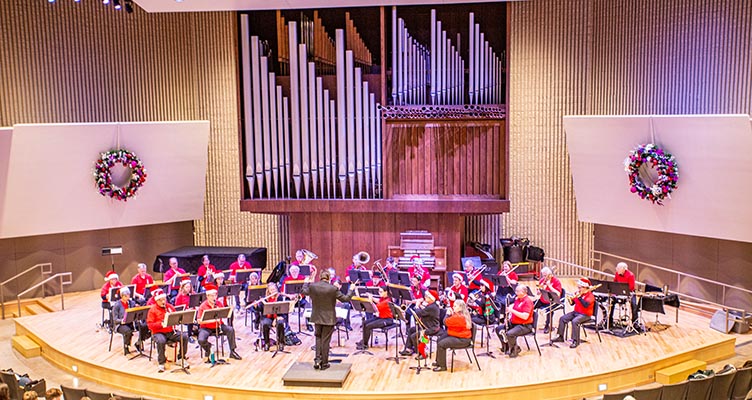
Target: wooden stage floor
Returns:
[[69, 338]]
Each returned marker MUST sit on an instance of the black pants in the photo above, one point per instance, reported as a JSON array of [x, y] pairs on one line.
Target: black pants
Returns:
[[323, 337], [374, 323], [577, 319], [204, 333], [448, 342], [162, 339], [266, 326], [514, 332], [127, 332]]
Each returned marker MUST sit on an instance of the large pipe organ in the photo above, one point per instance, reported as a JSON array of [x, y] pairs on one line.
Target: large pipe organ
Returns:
[[367, 112]]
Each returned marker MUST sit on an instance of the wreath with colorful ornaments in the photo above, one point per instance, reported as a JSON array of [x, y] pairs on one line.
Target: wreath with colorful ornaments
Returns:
[[103, 174], [664, 164]]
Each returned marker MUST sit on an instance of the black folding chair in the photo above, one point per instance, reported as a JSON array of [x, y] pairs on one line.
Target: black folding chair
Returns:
[[533, 334], [468, 349]]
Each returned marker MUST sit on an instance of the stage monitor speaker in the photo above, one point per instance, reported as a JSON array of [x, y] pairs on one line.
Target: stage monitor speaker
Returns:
[[719, 323]]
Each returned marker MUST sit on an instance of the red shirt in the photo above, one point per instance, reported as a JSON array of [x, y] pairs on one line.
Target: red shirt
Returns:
[[581, 308], [512, 276], [457, 326], [627, 277], [156, 316], [106, 290], [523, 305], [183, 299], [236, 266], [385, 312], [554, 285], [290, 278], [206, 306], [203, 269], [425, 274], [416, 292], [170, 273], [460, 293], [141, 282]]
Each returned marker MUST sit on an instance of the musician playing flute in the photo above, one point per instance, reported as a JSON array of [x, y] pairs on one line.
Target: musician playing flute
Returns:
[[384, 318], [161, 335], [210, 327], [550, 283], [428, 312], [272, 295], [584, 303], [520, 321]]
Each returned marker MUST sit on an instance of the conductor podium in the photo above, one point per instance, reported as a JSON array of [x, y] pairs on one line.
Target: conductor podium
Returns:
[[303, 374]]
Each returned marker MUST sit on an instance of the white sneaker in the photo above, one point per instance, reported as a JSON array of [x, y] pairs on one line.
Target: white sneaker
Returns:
[[161, 368]]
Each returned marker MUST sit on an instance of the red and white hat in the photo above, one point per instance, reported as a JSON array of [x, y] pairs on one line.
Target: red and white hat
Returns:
[[218, 273], [485, 283], [159, 294], [185, 281], [433, 294], [583, 282], [110, 275], [211, 289], [415, 259]]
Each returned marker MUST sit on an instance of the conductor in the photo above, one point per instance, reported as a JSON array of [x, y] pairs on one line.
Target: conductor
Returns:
[[324, 297]]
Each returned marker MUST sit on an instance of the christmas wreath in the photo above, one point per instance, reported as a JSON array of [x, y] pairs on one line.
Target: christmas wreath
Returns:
[[103, 174], [663, 162]]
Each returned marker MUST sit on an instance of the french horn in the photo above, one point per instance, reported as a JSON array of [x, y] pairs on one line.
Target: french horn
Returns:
[[308, 257]]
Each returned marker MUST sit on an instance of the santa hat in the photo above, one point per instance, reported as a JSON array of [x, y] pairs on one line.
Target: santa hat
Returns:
[[415, 259], [432, 293], [159, 294], [485, 283], [110, 275], [185, 281], [583, 282], [156, 291], [217, 274], [211, 289]]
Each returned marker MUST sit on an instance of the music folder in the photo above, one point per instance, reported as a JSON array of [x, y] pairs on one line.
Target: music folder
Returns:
[[229, 290], [179, 317], [242, 275], [363, 291], [196, 299], [254, 293], [359, 275], [215, 314], [294, 287], [276, 307], [305, 270], [136, 314]]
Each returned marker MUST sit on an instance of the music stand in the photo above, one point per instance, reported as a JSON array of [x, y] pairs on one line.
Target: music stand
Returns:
[[357, 275], [403, 278], [293, 288], [230, 290], [114, 294], [179, 318], [196, 299], [488, 352], [150, 288], [253, 294], [419, 327], [398, 315], [363, 291], [242, 275], [210, 316], [135, 316], [276, 308], [554, 300], [362, 305], [305, 270], [194, 282]]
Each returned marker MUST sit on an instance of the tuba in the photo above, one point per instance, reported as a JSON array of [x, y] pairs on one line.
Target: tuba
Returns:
[[361, 258], [308, 257]]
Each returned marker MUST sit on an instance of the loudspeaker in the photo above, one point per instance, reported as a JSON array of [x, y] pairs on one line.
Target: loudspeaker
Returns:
[[719, 323]]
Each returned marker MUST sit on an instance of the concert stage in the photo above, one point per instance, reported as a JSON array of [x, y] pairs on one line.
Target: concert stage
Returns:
[[69, 338]]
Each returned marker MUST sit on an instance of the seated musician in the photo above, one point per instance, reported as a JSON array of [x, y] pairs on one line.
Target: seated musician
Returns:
[[417, 268], [506, 270], [272, 295], [205, 268], [239, 264], [118, 317], [384, 318], [208, 328], [219, 280], [390, 266], [183, 298], [141, 280], [111, 281], [299, 257], [475, 277], [481, 305], [624, 275], [171, 277], [458, 288], [584, 302], [458, 334], [520, 321], [154, 294], [356, 264], [376, 280], [162, 335], [254, 279], [294, 275], [428, 312], [416, 292], [551, 283]]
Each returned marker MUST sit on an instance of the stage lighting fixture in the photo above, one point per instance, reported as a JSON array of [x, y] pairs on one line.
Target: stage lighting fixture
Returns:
[[129, 6], [117, 4], [50, 1], [105, 2]]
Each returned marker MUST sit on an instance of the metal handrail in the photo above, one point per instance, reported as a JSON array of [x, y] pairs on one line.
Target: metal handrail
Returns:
[[679, 276], [722, 307], [63, 282], [18, 275]]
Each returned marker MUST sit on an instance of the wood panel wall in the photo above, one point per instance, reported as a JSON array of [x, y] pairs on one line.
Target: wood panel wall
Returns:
[[84, 62], [336, 238], [445, 158]]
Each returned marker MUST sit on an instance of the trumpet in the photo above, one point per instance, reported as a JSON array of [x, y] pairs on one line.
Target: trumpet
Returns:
[[570, 299]]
